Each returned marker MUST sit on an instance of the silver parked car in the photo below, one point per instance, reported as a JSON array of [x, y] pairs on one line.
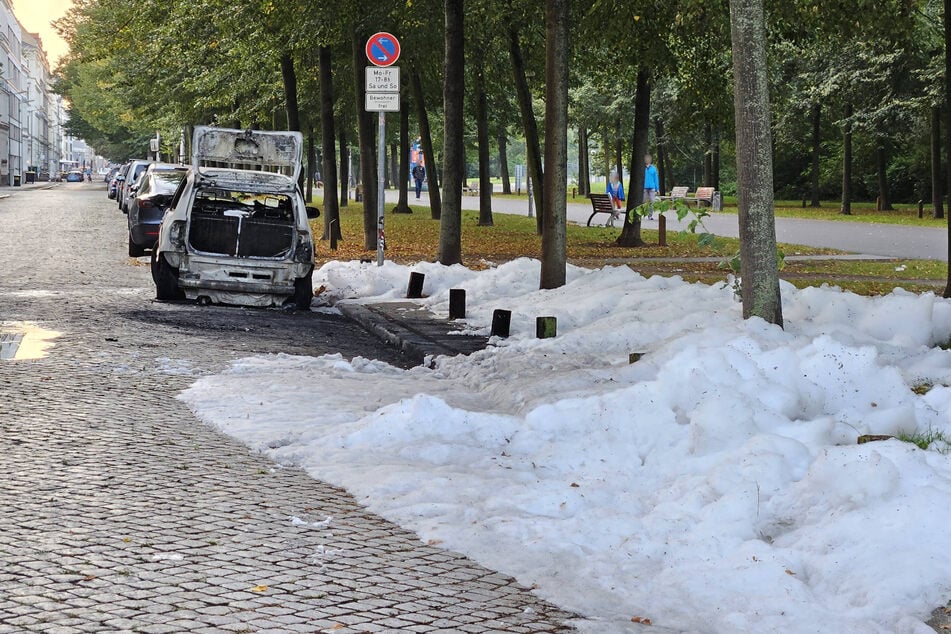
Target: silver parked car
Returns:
[[237, 230]]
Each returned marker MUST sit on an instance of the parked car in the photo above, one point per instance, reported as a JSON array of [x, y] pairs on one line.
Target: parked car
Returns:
[[152, 198], [109, 174], [75, 176], [238, 234], [120, 177], [126, 190], [114, 185]]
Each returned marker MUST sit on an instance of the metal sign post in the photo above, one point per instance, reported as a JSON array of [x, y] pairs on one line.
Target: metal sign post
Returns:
[[380, 195], [382, 96]]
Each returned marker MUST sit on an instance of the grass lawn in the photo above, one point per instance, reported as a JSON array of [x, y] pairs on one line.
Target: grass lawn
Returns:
[[414, 237]]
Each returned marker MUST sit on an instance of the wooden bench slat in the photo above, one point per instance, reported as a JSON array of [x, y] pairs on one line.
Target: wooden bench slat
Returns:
[[601, 204]]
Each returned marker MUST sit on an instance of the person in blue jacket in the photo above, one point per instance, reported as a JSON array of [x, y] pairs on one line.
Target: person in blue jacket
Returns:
[[651, 185], [615, 189]]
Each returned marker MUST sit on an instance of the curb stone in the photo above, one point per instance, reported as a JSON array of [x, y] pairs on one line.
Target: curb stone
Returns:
[[413, 330]]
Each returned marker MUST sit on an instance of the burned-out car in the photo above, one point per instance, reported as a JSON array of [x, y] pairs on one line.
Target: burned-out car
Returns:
[[237, 230]]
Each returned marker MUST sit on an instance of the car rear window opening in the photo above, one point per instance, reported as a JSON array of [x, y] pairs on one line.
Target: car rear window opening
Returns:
[[242, 224]]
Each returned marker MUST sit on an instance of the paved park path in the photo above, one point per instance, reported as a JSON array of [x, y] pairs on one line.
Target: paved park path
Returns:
[[898, 241]]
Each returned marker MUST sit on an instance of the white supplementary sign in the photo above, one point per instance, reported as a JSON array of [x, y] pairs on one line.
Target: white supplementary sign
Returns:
[[380, 79], [382, 102]]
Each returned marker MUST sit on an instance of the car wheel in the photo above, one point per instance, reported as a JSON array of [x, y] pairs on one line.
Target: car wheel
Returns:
[[135, 251], [304, 291], [165, 278]]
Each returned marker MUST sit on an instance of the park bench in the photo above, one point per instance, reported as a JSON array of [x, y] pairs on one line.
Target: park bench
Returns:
[[471, 189], [601, 204], [677, 193], [704, 194]]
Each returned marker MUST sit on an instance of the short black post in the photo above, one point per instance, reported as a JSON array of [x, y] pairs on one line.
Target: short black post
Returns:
[[415, 289], [921, 209], [501, 322], [546, 327], [457, 303], [662, 230]]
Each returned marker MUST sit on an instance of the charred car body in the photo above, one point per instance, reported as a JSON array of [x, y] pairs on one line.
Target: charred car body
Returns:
[[237, 230]]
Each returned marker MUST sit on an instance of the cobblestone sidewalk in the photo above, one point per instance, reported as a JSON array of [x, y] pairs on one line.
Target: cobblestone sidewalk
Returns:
[[120, 512]]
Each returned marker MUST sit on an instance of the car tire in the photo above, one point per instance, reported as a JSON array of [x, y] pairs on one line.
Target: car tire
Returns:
[[165, 277], [135, 251], [304, 291]]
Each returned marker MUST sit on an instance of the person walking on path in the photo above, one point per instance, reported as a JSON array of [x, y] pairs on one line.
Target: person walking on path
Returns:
[[615, 189], [419, 173], [651, 185]]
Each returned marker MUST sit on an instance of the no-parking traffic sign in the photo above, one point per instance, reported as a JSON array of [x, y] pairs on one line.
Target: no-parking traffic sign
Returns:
[[383, 49]]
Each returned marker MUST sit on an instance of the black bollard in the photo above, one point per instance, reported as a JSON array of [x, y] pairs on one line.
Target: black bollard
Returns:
[[415, 289], [457, 303], [921, 209], [546, 327], [662, 230], [501, 322]]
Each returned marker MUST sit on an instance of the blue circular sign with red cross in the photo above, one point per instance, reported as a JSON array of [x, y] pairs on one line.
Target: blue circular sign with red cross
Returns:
[[383, 49]]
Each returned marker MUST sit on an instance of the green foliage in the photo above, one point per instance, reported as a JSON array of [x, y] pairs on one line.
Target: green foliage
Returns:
[[682, 210], [933, 439]]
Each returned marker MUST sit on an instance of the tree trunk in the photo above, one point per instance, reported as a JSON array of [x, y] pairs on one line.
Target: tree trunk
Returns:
[[937, 195], [631, 232], [454, 155], [290, 98], [661, 156], [619, 152], [394, 163], [504, 161], [881, 161], [554, 254], [816, 147], [482, 134], [327, 146], [715, 175], [759, 267], [366, 130], [402, 175], [530, 126], [708, 156], [344, 169], [426, 138], [946, 113], [584, 167], [947, 102], [847, 163], [311, 165], [290, 92]]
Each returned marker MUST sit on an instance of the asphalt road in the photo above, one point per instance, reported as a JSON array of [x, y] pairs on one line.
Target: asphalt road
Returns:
[[120, 512], [896, 241]]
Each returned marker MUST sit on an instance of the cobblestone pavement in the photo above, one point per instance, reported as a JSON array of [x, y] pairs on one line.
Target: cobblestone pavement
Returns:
[[120, 512]]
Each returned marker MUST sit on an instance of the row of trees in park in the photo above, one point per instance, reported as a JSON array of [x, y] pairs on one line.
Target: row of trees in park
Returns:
[[856, 89]]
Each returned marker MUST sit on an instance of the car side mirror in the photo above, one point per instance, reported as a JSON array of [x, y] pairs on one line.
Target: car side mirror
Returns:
[[313, 212]]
